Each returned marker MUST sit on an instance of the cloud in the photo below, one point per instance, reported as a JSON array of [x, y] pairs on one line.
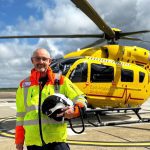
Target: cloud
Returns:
[[62, 17]]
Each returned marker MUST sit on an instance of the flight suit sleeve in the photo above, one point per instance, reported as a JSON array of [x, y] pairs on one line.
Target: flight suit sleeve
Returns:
[[19, 130]]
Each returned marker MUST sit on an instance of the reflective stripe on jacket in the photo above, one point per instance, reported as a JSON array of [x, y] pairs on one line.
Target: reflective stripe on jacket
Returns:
[[27, 99]]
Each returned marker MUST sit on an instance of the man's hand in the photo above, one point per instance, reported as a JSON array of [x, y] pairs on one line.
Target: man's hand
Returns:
[[19, 146], [68, 112]]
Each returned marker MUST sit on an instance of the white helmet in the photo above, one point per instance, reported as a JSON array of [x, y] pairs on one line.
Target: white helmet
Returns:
[[54, 104]]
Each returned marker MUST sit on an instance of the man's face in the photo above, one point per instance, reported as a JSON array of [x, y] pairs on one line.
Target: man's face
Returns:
[[41, 60]]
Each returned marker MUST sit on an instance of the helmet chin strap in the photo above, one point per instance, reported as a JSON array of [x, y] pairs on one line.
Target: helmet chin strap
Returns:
[[82, 121]]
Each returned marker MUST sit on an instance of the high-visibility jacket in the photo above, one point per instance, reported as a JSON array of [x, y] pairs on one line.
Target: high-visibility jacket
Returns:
[[27, 99]]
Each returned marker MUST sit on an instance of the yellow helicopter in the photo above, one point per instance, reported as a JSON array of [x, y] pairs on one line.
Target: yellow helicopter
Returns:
[[111, 76]]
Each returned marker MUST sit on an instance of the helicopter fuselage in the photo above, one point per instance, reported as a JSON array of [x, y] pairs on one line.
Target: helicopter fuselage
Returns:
[[108, 83]]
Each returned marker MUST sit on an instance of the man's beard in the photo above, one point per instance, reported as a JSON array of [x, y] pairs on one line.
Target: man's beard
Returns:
[[41, 68]]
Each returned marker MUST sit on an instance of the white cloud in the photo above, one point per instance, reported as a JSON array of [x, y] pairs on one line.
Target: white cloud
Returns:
[[62, 17]]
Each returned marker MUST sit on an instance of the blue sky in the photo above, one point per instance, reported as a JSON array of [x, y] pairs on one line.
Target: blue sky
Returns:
[[10, 12], [28, 17]]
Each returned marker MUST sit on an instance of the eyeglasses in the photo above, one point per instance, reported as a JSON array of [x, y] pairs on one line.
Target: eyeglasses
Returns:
[[40, 58]]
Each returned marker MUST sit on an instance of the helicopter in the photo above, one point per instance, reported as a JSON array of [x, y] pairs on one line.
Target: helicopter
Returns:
[[110, 76]]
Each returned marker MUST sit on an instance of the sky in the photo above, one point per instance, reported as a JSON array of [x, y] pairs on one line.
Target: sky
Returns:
[[30, 17]]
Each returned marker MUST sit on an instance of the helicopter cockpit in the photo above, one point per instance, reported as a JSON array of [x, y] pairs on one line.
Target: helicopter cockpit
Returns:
[[63, 65], [78, 74]]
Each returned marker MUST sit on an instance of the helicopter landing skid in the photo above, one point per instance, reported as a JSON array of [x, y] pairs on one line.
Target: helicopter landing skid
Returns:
[[98, 113]]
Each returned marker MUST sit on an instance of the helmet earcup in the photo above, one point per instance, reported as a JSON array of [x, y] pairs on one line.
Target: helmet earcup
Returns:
[[49, 103], [54, 115]]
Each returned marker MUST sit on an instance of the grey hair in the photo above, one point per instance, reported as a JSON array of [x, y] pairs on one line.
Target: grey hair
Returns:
[[41, 49]]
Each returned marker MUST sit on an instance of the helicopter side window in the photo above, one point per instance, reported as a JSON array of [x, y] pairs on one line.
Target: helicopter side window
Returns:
[[79, 74], [65, 68], [102, 73], [55, 68], [63, 65], [126, 75], [141, 76]]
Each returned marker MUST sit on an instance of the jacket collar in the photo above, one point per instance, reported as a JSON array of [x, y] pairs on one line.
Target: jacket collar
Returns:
[[35, 76]]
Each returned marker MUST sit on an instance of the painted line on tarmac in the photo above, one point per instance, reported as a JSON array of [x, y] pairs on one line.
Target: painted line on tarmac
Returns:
[[110, 144], [94, 143], [6, 134]]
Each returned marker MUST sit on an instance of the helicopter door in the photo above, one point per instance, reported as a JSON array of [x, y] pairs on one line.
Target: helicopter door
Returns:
[[100, 88], [78, 76]]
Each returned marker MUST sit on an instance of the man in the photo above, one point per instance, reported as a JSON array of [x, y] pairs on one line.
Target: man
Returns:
[[37, 130]]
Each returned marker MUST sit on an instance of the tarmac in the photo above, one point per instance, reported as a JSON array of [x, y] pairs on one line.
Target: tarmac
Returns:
[[131, 135]]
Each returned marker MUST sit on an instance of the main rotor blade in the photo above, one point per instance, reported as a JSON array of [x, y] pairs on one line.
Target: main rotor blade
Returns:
[[85, 7], [133, 33], [100, 41], [133, 39], [55, 36]]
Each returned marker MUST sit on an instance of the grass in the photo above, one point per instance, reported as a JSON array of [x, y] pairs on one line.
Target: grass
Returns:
[[8, 89]]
